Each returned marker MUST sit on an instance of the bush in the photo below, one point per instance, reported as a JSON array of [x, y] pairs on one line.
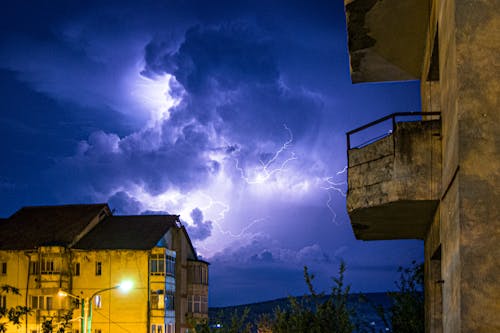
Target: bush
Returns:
[[406, 315]]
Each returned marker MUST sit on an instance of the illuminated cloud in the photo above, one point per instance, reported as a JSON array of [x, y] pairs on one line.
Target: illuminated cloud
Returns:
[[200, 229], [230, 114]]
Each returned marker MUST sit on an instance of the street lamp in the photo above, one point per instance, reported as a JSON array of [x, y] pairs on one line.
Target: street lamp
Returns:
[[125, 286], [63, 293], [86, 324]]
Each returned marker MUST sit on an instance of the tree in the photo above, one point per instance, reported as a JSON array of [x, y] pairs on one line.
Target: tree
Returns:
[[11, 315], [406, 315], [315, 314], [237, 324], [48, 325]]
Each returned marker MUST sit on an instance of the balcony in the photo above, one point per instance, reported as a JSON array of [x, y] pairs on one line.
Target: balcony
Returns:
[[394, 179]]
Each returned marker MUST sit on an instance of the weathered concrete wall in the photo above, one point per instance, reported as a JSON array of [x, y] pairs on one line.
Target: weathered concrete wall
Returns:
[[432, 270], [402, 166], [469, 44], [478, 108], [392, 177], [386, 39]]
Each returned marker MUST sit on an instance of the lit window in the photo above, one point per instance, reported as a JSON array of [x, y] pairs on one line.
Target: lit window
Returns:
[[98, 268], [157, 299], [98, 301], [4, 268]]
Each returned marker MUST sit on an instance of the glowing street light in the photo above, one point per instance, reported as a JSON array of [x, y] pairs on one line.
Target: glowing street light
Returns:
[[86, 323], [125, 286], [62, 293]]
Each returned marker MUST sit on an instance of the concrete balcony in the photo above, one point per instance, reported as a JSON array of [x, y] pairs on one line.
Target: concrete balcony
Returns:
[[393, 182]]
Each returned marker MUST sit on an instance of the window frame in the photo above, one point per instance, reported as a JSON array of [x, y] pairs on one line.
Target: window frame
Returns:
[[98, 268]]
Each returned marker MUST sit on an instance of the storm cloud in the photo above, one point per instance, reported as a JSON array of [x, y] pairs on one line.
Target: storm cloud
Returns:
[[230, 114]]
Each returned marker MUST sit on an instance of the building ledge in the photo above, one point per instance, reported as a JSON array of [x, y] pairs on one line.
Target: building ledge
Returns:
[[393, 181]]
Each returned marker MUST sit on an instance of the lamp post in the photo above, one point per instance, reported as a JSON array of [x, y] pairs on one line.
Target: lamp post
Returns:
[[63, 293], [86, 323]]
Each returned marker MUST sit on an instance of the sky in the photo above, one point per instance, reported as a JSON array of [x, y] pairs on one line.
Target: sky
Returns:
[[231, 114]]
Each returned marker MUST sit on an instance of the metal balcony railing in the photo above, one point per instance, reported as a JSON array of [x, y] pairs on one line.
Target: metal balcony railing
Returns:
[[393, 117]]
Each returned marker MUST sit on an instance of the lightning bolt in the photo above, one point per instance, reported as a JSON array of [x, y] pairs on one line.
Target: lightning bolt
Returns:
[[330, 186], [222, 215], [266, 172]]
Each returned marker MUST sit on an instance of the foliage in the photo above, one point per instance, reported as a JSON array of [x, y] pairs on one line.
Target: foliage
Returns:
[[48, 325], [406, 315], [237, 324], [316, 315], [11, 315]]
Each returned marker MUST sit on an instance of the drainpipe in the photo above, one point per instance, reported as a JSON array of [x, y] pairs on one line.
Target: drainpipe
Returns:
[[27, 288]]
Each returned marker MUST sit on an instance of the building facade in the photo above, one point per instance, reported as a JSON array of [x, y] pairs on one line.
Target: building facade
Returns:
[[435, 177], [63, 258]]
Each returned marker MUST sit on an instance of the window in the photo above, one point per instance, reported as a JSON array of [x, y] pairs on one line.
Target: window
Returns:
[[204, 304], [76, 269], [97, 330], [197, 304], [4, 268], [198, 274], [98, 268], [169, 300], [170, 328], [157, 299], [156, 328], [37, 302], [34, 267], [48, 265], [170, 263], [3, 302], [157, 264], [49, 303], [98, 301]]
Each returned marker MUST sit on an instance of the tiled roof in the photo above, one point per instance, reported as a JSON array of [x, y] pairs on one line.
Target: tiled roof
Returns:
[[35, 226], [128, 232]]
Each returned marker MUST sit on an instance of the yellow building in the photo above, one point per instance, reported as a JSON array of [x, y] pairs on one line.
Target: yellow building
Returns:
[[435, 179], [63, 257]]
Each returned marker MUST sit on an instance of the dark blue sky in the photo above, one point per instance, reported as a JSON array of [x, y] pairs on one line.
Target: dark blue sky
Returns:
[[230, 113]]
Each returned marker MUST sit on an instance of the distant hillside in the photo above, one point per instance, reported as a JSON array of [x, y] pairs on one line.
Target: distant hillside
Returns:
[[363, 303]]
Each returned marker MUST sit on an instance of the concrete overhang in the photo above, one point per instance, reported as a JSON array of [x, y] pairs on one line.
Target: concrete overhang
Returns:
[[386, 39], [393, 183], [395, 220]]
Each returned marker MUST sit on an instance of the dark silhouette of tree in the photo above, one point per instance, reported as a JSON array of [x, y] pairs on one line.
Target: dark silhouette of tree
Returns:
[[406, 315], [314, 314], [12, 315]]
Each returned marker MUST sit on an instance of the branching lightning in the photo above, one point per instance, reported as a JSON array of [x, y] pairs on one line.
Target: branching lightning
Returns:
[[330, 186], [266, 171]]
